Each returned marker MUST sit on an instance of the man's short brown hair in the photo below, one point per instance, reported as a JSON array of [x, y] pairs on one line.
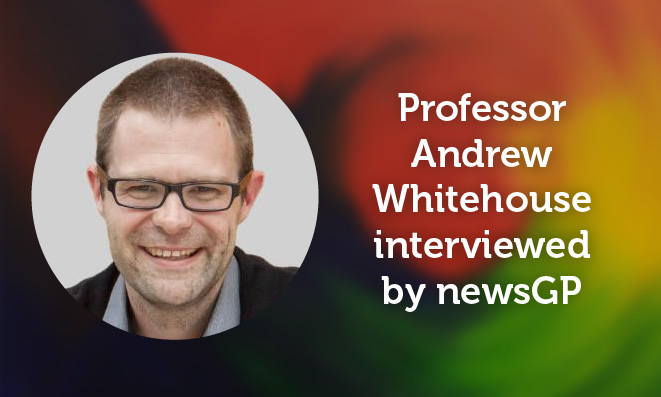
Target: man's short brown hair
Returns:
[[174, 87]]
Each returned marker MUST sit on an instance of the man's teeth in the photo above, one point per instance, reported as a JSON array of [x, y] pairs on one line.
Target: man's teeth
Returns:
[[166, 253]]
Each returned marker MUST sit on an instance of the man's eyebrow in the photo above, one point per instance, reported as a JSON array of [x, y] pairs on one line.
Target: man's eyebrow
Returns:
[[135, 176], [198, 179], [184, 180]]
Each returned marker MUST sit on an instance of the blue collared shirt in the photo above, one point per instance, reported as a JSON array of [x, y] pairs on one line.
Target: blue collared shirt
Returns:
[[226, 314]]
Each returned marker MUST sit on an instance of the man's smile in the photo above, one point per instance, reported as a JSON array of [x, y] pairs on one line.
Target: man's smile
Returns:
[[170, 252], [172, 256]]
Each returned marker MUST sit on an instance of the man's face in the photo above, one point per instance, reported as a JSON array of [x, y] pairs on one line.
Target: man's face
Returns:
[[199, 245]]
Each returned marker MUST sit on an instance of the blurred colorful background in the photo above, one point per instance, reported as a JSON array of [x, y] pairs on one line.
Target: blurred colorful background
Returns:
[[339, 66]]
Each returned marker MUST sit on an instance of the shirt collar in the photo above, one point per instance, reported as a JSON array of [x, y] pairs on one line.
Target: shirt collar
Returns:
[[226, 313]]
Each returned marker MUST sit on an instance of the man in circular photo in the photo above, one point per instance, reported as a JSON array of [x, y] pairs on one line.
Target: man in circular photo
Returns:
[[173, 180]]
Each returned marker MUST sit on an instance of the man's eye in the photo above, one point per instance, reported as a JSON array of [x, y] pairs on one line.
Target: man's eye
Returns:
[[139, 191], [206, 190], [143, 188]]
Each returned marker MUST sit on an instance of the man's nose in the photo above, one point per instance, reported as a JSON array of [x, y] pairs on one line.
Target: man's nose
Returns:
[[172, 217]]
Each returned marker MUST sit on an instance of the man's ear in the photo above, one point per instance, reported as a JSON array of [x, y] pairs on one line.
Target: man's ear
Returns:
[[95, 184], [253, 187]]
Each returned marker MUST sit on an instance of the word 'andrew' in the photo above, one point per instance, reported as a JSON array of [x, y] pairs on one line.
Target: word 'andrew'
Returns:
[[424, 153], [480, 110]]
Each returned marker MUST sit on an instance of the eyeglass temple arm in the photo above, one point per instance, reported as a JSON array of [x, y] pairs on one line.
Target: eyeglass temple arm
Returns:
[[243, 184], [103, 177]]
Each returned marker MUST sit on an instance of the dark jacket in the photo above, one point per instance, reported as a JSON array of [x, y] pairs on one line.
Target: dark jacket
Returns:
[[260, 283]]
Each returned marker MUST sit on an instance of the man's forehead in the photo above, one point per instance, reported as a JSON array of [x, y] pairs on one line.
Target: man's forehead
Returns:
[[133, 116], [192, 146]]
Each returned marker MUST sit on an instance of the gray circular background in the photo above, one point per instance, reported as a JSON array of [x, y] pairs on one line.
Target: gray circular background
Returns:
[[73, 235]]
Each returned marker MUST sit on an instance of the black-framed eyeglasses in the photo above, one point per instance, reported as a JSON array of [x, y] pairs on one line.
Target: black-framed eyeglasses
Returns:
[[149, 194]]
